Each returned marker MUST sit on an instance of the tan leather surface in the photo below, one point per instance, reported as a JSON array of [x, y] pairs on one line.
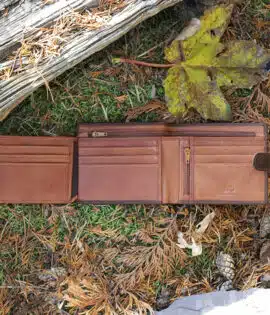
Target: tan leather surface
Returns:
[[36, 169], [147, 163]]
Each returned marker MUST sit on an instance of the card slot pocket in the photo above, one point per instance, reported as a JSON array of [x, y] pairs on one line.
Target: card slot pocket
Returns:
[[34, 141], [119, 142], [44, 183], [34, 158], [228, 150], [120, 159], [222, 141], [224, 158], [120, 183], [118, 151], [232, 182], [35, 150]]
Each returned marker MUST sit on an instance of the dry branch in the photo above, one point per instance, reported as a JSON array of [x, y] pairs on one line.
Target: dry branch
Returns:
[[75, 48]]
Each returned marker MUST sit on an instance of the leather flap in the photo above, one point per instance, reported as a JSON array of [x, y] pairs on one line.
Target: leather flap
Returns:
[[36, 169]]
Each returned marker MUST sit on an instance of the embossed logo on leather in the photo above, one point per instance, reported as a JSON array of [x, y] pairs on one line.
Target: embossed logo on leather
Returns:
[[230, 189]]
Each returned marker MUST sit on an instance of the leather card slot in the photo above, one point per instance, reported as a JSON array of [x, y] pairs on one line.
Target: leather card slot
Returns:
[[224, 159], [120, 183], [33, 183], [232, 182], [119, 170], [34, 158], [119, 142], [227, 150], [223, 141], [120, 159], [115, 151], [170, 170], [36, 141], [36, 149]]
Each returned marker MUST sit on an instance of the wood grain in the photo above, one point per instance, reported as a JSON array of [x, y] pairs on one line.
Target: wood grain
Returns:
[[82, 45]]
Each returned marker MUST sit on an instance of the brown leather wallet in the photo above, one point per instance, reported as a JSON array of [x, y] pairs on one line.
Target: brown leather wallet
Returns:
[[158, 163], [139, 163]]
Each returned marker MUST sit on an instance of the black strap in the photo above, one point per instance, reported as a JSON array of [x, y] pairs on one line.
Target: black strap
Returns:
[[261, 162], [75, 172]]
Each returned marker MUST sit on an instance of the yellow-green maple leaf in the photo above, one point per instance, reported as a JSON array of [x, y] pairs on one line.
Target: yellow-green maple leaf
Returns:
[[203, 64]]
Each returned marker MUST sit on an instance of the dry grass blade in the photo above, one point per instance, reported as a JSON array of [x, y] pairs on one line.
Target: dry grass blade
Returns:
[[155, 261], [256, 107], [5, 303]]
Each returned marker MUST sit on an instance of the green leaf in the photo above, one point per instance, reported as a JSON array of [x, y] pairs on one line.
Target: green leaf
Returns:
[[213, 25], [203, 65], [241, 64]]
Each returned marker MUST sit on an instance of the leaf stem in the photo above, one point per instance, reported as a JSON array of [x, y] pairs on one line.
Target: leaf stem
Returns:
[[145, 64]]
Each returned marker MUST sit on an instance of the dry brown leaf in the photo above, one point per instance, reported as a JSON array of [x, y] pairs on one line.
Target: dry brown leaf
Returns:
[[150, 106], [121, 98]]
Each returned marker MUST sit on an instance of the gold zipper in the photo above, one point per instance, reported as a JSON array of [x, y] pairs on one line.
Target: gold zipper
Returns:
[[187, 155], [187, 152]]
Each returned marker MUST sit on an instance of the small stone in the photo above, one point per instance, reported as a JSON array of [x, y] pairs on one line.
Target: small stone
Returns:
[[265, 278], [265, 281], [265, 253], [52, 274], [163, 299], [265, 226]]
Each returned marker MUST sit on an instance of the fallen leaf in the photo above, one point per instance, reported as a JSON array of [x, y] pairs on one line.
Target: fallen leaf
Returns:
[[95, 74], [150, 106], [196, 249], [203, 225], [202, 64], [121, 98]]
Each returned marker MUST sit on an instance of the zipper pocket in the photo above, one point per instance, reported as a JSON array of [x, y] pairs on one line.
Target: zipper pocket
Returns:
[[167, 133], [187, 171]]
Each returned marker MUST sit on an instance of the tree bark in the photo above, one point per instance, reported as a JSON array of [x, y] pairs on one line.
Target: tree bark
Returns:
[[79, 47]]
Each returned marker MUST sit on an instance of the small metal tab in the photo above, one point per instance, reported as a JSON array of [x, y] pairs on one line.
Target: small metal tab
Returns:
[[99, 134]]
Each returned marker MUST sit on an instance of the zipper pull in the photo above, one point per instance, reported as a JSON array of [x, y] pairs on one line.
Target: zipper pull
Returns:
[[99, 134], [187, 155]]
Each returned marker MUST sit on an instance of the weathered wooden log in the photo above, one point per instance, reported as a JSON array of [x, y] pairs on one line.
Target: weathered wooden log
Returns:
[[27, 17], [78, 47], [4, 4]]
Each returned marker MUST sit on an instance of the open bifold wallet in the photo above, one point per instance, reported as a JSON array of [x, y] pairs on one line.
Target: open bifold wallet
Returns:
[[138, 163]]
